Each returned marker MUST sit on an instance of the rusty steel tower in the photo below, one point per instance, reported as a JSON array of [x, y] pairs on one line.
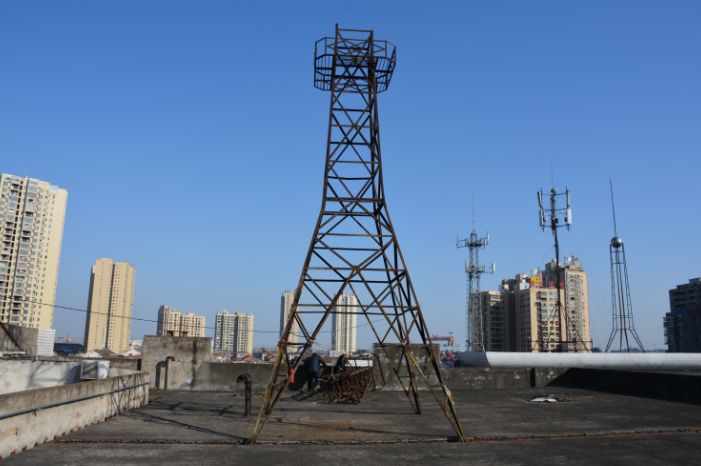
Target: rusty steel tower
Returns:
[[354, 248]]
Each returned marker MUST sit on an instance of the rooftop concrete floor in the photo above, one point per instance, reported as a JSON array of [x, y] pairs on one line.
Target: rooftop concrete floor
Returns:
[[503, 425]]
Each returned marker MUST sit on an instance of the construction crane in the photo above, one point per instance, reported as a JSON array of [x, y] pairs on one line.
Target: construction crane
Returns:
[[450, 339]]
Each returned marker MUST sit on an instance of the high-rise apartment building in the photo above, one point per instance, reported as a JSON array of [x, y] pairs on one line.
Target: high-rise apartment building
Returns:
[[538, 328], [523, 315], [108, 324], [233, 333], [491, 325], [224, 332], [576, 301], [168, 321], [243, 333], [285, 306], [31, 231], [192, 325], [682, 325], [172, 322], [343, 324]]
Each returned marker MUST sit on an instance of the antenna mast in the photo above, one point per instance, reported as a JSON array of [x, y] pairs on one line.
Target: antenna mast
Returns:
[[476, 320], [621, 304], [554, 334]]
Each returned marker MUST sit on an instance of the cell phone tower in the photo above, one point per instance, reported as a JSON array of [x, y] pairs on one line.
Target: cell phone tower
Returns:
[[621, 305], [475, 318], [354, 249], [555, 217]]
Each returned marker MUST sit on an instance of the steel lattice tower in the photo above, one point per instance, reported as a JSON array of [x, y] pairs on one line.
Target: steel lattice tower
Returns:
[[354, 248], [621, 304], [476, 320]]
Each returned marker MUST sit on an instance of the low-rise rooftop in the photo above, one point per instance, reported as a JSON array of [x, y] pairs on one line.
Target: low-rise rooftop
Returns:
[[504, 427]]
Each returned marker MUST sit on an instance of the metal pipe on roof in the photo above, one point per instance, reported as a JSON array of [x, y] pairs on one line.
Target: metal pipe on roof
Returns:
[[631, 361]]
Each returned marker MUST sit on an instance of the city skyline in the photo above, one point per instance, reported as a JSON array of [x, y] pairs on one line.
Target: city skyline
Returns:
[[609, 106], [200, 328]]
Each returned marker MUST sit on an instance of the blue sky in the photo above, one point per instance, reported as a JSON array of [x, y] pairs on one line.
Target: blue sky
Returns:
[[191, 141]]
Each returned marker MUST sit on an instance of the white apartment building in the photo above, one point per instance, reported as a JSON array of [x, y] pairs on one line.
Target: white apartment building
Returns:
[[344, 316], [233, 333], [32, 213], [285, 307]]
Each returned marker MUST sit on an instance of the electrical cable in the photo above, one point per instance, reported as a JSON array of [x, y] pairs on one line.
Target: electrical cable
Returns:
[[141, 319]]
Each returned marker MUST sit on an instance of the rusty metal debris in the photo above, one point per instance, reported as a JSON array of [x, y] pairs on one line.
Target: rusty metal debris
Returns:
[[354, 248], [350, 385]]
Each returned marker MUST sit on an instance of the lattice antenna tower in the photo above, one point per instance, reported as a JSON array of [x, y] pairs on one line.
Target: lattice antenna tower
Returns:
[[475, 319], [623, 329], [354, 249], [554, 217]]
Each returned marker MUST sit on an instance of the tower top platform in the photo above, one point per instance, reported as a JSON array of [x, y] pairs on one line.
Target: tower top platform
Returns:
[[353, 55]]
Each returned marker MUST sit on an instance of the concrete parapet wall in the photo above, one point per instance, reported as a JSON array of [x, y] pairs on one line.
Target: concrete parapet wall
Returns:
[[682, 387], [32, 417], [391, 355], [25, 337], [117, 363], [473, 378], [157, 351], [19, 375], [215, 376]]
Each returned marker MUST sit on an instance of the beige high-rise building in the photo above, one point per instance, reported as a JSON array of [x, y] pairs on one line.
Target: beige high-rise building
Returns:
[[172, 322], [31, 231], [343, 330], [192, 325], [575, 301], [532, 321], [243, 333], [108, 324], [168, 321], [285, 306], [537, 322]]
